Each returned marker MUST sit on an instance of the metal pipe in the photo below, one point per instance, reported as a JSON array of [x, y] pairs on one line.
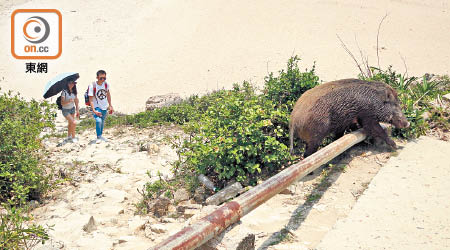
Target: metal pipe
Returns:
[[213, 224]]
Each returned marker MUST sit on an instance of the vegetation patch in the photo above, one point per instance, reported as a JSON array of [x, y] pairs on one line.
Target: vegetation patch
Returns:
[[23, 177]]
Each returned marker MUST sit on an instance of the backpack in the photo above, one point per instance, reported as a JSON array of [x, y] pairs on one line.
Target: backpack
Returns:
[[58, 102], [86, 94]]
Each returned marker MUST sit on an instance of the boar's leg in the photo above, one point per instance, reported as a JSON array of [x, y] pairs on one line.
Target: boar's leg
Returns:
[[373, 128], [340, 129], [339, 134], [310, 148]]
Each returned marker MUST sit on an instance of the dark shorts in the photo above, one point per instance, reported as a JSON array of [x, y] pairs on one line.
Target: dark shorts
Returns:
[[67, 112]]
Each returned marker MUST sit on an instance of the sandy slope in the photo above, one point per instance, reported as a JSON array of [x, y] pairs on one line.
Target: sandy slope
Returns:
[[105, 180], [156, 47]]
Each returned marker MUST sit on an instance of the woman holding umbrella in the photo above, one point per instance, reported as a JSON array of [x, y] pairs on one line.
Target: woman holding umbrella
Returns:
[[70, 110], [66, 84]]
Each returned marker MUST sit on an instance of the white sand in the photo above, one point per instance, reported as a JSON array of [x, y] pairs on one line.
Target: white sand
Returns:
[[162, 46]]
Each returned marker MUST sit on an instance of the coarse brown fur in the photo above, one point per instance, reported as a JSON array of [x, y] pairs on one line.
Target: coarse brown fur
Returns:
[[335, 106]]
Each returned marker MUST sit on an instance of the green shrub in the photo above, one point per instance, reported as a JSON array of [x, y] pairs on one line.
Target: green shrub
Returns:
[[16, 231], [236, 137], [290, 84], [21, 122], [21, 175]]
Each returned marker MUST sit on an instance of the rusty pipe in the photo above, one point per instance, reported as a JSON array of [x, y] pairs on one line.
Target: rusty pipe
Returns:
[[213, 224]]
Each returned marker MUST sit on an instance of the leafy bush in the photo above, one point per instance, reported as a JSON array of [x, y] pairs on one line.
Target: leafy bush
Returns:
[[290, 83], [21, 176], [21, 122], [16, 232], [236, 136], [416, 95]]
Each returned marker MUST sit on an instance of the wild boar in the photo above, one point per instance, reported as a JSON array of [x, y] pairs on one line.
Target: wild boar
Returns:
[[333, 107]]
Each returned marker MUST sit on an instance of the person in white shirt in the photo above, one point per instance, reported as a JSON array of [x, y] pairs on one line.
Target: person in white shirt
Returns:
[[69, 103], [100, 101]]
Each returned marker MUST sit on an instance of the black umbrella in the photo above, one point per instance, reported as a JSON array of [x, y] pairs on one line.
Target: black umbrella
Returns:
[[57, 84]]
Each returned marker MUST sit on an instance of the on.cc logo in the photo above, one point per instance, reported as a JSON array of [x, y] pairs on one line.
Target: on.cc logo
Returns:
[[36, 34], [39, 26]]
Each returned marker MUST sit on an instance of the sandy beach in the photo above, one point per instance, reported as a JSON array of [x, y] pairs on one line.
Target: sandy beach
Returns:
[[187, 47]]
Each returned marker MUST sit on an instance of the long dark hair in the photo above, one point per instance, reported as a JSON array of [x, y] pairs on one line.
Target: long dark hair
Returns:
[[74, 89]]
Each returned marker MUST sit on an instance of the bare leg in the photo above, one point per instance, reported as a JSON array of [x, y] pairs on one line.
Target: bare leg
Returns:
[[71, 125]]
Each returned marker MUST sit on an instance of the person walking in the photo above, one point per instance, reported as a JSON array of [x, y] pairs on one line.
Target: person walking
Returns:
[[100, 102], [70, 110]]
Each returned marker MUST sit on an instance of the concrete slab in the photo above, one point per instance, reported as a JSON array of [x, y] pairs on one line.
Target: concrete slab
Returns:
[[406, 206]]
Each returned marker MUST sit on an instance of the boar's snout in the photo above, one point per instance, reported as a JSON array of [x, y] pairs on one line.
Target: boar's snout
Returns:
[[407, 125], [400, 122], [398, 119], [403, 124]]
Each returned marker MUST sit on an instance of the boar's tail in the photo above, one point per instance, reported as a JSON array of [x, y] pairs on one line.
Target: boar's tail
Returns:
[[291, 138]]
